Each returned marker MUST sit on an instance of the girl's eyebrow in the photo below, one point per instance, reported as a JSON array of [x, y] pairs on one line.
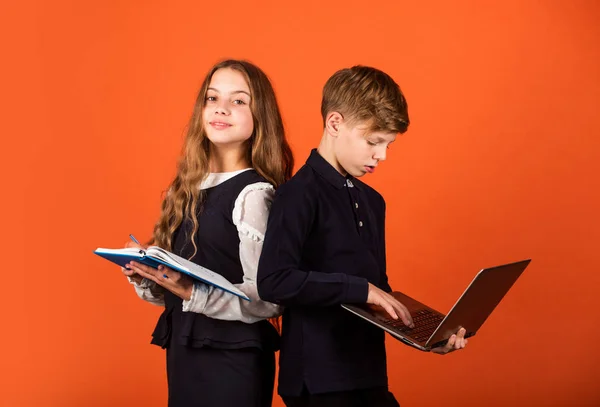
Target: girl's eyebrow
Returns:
[[233, 93]]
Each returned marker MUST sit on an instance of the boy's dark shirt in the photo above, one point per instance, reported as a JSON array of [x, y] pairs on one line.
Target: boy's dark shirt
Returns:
[[325, 240]]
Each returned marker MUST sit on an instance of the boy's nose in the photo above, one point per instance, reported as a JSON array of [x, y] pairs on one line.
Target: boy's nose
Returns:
[[380, 154]]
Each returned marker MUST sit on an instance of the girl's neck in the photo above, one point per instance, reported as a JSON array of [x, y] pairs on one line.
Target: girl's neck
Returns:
[[227, 158]]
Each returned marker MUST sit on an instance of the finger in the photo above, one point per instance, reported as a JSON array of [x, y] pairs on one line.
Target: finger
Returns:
[[451, 342], [400, 310], [460, 341], [164, 276], [387, 306], [145, 272], [166, 273], [404, 313], [145, 268], [149, 277], [390, 310], [461, 334], [136, 269], [127, 272], [405, 316], [174, 276]]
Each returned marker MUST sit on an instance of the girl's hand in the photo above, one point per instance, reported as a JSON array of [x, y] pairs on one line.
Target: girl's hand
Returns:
[[174, 281], [128, 272], [131, 274]]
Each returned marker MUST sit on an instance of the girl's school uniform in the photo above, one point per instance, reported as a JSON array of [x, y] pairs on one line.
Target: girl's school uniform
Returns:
[[220, 348]]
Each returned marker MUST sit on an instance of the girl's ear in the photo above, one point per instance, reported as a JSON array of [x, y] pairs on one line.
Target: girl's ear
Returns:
[[333, 122]]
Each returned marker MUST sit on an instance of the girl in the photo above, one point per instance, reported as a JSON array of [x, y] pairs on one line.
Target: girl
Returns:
[[220, 348]]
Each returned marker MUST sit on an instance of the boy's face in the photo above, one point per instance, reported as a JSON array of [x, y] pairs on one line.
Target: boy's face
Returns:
[[359, 151]]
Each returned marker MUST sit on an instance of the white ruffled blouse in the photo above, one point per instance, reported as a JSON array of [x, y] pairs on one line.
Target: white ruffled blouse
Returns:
[[250, 215]]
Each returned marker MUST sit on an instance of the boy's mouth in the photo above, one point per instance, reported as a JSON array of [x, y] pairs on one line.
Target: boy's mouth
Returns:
[[370, 169]]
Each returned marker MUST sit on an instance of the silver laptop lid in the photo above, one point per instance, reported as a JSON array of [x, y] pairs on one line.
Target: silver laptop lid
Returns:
[[478, 301]]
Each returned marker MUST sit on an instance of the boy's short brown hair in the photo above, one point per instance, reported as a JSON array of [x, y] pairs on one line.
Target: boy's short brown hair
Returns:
[[365, 94]]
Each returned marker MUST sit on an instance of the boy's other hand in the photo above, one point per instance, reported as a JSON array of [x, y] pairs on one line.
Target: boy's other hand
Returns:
[[455, 342], [391, 305]]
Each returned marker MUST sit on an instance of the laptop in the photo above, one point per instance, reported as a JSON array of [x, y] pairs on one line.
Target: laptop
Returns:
[[432, 328]]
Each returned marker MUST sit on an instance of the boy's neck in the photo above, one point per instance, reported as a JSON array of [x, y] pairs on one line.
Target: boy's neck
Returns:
[[327, 151], [227, 158]]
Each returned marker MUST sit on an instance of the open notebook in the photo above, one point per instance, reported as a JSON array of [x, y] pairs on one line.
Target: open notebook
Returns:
[[153, 256]]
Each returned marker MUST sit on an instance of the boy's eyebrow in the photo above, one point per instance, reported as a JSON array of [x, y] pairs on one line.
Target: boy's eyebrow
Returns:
[[233, 93], [381, 140]]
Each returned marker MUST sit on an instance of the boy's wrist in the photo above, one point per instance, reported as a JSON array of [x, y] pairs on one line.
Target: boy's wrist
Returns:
[[358, 290]]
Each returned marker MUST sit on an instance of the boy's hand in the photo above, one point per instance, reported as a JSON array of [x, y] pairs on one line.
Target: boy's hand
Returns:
[[455, 342], [392, 306]]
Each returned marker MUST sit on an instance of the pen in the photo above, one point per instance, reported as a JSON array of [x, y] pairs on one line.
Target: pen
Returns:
[[136, 241]]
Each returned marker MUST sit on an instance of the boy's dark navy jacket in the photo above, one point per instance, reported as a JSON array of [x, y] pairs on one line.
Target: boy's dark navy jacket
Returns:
[[325, 240]]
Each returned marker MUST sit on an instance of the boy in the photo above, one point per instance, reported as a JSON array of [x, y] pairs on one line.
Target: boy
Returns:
[[325, 246]]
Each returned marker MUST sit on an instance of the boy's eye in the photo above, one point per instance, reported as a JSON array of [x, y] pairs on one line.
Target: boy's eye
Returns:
[[371, 143]]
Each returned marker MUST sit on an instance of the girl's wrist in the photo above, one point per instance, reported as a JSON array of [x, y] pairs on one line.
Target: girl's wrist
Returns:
[[136, 278]]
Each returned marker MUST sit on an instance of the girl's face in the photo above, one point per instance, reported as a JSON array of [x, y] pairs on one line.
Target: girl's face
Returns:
[[227, 117]]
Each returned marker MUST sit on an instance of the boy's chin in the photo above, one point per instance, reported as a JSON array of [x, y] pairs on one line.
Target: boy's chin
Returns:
[[357, 173]]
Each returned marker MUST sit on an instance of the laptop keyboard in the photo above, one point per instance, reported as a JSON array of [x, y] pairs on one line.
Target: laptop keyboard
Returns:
[[425, 321]]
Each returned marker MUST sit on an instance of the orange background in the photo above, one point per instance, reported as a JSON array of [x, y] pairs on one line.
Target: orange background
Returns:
[[501, 163]]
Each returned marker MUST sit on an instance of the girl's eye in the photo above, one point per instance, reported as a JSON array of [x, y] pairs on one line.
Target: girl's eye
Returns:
[[239, 102], [211, 98]]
